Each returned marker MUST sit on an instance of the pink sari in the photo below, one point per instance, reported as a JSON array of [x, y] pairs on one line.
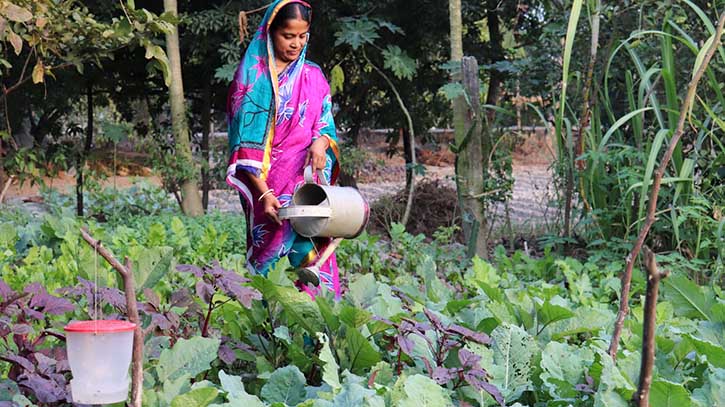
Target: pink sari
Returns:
[[301, 114]]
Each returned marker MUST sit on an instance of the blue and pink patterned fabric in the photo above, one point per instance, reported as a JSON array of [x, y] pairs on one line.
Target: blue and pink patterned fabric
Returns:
[[273, 118]]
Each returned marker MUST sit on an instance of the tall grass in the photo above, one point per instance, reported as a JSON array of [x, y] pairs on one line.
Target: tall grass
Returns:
[[625, 142]]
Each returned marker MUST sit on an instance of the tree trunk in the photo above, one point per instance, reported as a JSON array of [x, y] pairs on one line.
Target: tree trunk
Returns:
[[497, 54], [205, 132], [471, 161], [191, 200], [81, 161]]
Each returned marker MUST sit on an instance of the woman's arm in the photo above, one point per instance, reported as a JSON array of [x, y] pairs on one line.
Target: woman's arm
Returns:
[[268, 199]]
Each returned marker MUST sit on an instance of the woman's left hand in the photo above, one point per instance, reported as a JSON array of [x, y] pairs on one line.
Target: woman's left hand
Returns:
[[317, 155]]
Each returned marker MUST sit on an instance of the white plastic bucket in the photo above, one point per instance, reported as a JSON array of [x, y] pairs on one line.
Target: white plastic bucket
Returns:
[[99, 354], [325, 210]]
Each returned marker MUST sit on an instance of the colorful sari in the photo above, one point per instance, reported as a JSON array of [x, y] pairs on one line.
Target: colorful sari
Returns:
[[273, 118]]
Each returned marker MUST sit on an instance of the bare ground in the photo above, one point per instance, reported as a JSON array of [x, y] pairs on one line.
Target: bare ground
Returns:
[[530, 209]]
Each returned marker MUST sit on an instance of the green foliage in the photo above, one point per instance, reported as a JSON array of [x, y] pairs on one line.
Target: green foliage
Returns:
[[548, 319]]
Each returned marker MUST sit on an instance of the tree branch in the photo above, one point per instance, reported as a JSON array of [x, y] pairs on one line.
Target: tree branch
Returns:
[[129, 288], [652, 205], [641, 397]]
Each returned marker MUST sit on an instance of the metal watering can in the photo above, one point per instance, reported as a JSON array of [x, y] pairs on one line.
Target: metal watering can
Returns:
[[325, 210]]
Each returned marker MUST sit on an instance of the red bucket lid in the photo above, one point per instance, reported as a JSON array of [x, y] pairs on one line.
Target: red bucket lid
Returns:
[[100, 326]]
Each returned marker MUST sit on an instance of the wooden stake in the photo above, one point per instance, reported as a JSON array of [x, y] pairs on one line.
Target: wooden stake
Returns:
[[129, 287]]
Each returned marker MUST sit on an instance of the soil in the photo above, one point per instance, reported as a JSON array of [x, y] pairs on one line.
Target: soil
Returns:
[[382, 179]]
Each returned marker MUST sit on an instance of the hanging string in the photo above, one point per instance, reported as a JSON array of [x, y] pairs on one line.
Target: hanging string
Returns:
[[96, 307]]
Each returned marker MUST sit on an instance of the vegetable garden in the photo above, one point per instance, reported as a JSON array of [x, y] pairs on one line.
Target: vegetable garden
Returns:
[[623, 303]]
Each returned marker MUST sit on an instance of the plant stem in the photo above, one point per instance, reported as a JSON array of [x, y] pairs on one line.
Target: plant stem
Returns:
[[411, 136], [205, 328], [641, 397], [654, 194]]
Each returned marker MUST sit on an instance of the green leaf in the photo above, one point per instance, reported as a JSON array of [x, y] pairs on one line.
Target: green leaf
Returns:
[[357, 353], [688, 298], [187, 357], [712, 393], [337, 79], [152, 265], [15, 13], [236, 394], [452, 91], [196, 398], [297, 305], [329, 370], [356, 33], [715, 354], [419, 391], [286, 385], [668, 394], [399, 62], [353, 394], [354, 317], [549, 313], [563, 367], [513, 350]]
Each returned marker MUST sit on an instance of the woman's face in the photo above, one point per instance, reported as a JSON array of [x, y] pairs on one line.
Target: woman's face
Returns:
[[289, 39]]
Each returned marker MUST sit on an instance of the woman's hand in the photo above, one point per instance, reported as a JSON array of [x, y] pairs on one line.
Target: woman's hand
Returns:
[[271, 205], [317, 155]]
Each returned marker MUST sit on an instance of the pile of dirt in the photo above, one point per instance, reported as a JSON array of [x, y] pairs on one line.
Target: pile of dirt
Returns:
[[434, 205]]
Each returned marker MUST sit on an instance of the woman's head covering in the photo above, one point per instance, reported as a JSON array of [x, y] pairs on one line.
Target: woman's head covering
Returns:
[[253, 95]]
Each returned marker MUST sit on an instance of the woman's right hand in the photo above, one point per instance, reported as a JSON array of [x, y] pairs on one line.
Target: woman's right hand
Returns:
[[271, 205]]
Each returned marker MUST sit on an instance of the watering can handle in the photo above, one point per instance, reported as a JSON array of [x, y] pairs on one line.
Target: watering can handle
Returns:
[[320, 176]]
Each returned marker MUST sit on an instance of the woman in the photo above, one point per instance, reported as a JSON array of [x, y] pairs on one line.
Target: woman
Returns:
[[280, 120]]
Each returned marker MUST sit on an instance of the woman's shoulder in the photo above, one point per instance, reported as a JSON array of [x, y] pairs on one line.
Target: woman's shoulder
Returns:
[[315, 69]]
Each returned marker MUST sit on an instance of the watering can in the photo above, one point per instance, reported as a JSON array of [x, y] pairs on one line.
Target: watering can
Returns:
[[323, 210]]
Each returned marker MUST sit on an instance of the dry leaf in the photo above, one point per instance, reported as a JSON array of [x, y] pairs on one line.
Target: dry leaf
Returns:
[[40, 22], [38, 72], [16, 41], [16, 13]]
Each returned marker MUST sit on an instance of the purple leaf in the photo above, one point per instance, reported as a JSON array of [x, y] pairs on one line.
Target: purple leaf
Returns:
[[173, 318], [47, 303], [204, 290], [479, 337], [437, 323], [31, 313], [5, 290], [114, 297], [493, 391], [46, 365], [468, 359], [46, 390], [443, 375], [227, 354], [34, 289], [189, 268], [160, 321], [152, 297], [22, 329], [22, 362], [181, 298], [406, 345], [584, 388]]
